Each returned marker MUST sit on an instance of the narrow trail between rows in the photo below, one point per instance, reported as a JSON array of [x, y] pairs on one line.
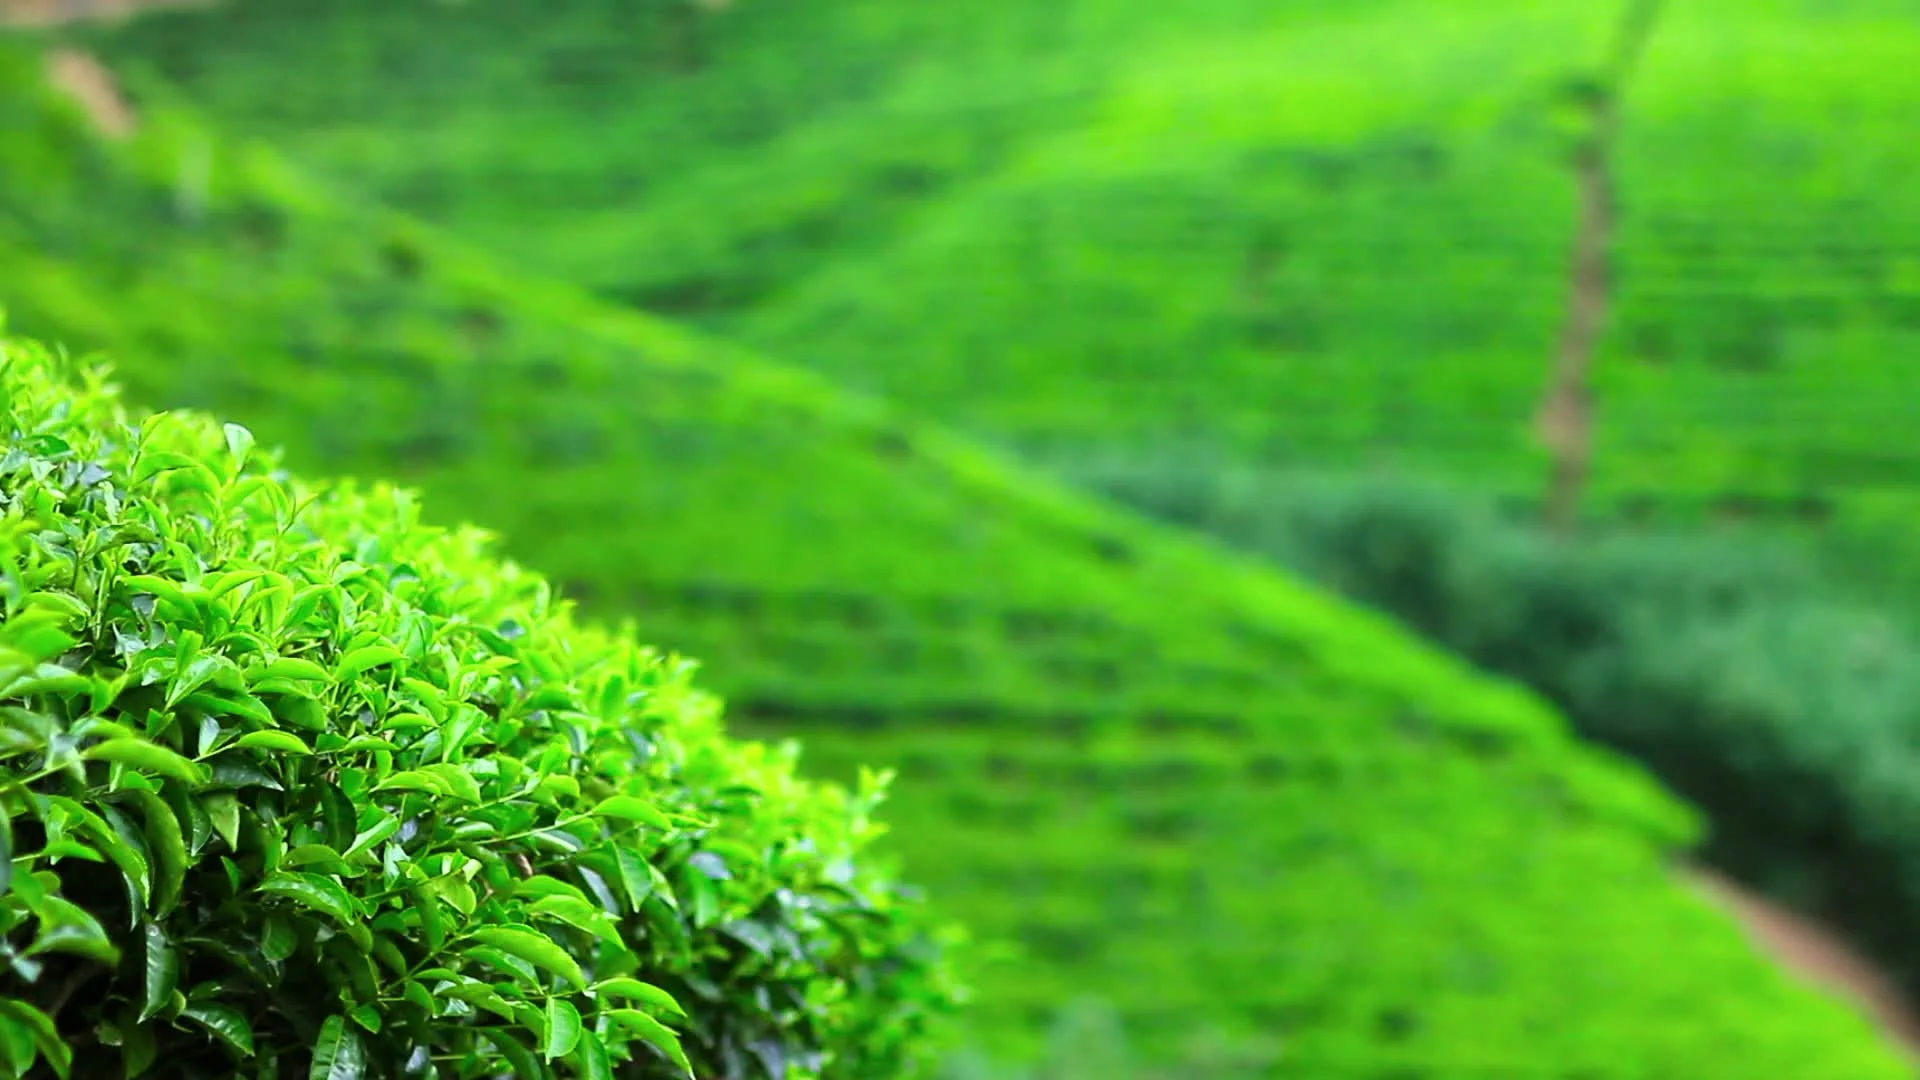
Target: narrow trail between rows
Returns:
[[1817, 955]]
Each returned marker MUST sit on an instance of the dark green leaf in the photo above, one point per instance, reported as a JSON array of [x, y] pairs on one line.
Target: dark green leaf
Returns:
[[139, 1049], [433, 921], [592, 1059], [113, 836], [420, 997], [162, 971], [6, 853], [223, 810], [226, 1023], [338, 1054], [336, 811], [236, 771], [321, 856], [322, 894], [278, 940], [525, 1065], [166, 849], [481, 996]]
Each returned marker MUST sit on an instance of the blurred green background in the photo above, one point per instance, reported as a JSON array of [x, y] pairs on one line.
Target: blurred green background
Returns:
[[1122, 419]]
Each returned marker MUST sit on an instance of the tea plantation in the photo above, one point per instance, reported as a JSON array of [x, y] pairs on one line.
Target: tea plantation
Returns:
[[1276, 833], [1040, 221]]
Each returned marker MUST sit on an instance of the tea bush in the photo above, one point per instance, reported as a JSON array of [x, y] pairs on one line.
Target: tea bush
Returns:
[[294, 784], [1784, 708], [1271, 830]]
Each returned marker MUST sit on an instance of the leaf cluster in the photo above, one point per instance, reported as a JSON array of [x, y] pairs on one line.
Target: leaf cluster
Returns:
[[295, 784]]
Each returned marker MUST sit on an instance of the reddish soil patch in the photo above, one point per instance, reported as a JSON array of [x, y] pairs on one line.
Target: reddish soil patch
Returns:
[[44, 13], [88, 82], [1817, 955]]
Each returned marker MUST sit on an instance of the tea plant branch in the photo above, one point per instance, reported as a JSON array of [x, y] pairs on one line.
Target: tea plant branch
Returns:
[[71, 985]]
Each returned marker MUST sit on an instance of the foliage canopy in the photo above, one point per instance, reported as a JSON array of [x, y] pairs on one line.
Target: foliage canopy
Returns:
[[293, 781]]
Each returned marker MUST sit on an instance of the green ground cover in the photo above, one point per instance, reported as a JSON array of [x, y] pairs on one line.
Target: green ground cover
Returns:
[[1241, 810]]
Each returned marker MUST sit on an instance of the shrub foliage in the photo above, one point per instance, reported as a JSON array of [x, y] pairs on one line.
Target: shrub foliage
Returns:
[[1783, 707], [294, 782]]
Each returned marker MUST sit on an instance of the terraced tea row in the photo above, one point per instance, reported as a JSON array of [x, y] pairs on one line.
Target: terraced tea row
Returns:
[[1038, 224]]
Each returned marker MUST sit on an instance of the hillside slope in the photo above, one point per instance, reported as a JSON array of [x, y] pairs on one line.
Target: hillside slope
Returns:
[[1036, 221], [1273, 831]]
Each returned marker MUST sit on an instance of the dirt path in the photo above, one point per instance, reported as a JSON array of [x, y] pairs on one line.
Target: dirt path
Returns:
[[38, 14], [1817, 954], [88, 81]]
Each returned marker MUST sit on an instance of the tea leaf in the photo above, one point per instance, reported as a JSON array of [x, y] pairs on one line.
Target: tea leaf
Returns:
[[628, 808], [322, 894], [138, 753], [225, 1022], [360, 660], [162, 972], [239, 443], [166, 848], [278, 741], [591, 1058], [536, 949], [338, 1054], [653, 1031], [634, 989], [525, 1065], [223, 810], [563, 1028], [25, 1023]]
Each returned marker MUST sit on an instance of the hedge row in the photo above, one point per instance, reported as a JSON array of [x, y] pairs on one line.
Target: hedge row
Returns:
[[1273, 831], [1788, 711], [1059, 212]]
